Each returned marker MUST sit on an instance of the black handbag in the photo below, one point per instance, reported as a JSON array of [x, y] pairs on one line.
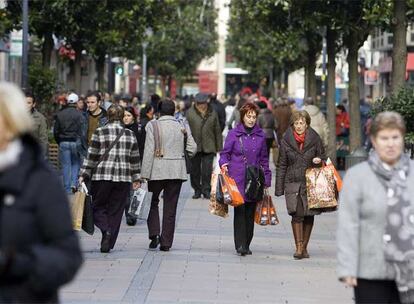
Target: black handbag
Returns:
[[186, 155], [254, 179], [219, 190], [87, 219]]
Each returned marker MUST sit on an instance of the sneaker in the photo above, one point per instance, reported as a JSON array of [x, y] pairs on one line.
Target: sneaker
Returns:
[[155, 241], [164, 248]]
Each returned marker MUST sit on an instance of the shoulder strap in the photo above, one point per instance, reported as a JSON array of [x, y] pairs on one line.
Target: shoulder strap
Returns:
[[242, 149], [157, 139], [118, 137]]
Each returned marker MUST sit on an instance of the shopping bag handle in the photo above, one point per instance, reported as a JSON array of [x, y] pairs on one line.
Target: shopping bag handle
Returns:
[[84, 188]]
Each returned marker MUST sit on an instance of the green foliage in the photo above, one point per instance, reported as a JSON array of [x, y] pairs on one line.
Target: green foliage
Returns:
[[401, 102], [43, 82], [187, 35]]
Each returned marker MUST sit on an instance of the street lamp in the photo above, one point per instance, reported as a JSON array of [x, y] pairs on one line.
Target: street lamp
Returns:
[[148, 34], [25, 43]]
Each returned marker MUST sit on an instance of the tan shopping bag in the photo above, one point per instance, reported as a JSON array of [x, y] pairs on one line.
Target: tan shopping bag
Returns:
[[321, 188], [78, 204]]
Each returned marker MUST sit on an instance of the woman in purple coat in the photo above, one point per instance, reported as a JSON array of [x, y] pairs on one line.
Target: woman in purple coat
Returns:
[[232, 160]]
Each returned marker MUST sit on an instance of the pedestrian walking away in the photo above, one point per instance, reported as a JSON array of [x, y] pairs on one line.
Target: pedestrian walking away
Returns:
[[68, 132], [39, 251], [268, 124], [165, 168], [300, 149], [205, 128], [112, 164], [375, 239], [245, 145], [318, 120]]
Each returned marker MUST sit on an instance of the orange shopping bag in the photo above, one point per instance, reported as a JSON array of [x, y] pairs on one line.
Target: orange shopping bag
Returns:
[[337, 176], [232, 195]]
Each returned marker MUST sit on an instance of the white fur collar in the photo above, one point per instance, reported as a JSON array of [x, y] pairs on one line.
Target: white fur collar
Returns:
[[10, 156]]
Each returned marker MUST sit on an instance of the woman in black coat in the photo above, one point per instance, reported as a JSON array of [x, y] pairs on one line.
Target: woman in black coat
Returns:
[[300, 149], [39, 251]]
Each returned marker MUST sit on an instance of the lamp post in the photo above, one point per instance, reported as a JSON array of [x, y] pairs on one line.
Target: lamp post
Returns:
[[25, 43], [148, 34]]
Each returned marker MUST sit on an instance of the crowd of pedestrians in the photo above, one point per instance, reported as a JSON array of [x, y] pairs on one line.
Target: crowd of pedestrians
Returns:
[[116, 145]]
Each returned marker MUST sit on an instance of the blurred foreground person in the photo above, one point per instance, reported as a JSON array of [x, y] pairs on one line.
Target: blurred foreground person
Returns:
[[300, 149], [165, 168], [112, 164], [39, 251], [375, 237]]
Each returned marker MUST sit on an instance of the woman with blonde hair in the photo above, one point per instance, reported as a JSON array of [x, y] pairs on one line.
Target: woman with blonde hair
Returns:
[[39, 251], [300, 149]]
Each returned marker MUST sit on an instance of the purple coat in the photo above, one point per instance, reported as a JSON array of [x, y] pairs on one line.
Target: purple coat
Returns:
[[255, 150]]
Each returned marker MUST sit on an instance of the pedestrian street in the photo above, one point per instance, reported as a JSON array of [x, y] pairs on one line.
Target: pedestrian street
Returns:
[[202, 265]]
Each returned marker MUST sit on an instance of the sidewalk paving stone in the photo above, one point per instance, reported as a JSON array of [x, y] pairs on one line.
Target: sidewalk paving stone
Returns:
[[202, 266]]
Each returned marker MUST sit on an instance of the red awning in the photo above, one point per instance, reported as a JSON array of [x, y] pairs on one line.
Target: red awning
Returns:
[[410, 62]]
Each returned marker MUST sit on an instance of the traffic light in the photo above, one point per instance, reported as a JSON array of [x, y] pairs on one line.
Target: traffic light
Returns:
[[119, 70]]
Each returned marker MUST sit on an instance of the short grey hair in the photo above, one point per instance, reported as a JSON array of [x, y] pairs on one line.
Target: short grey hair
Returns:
[[387, 120], [13, 109]]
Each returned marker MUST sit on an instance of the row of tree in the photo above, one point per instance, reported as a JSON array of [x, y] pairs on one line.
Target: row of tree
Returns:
[[184, 31], [270, 36]]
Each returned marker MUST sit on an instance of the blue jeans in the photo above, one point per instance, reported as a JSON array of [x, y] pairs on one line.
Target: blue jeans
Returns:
[[70, 162]]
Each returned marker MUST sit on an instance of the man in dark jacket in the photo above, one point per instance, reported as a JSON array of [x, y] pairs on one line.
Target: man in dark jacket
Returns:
[[268, 124], [94, 118], [220, 110], [205, 128], [68, 132]]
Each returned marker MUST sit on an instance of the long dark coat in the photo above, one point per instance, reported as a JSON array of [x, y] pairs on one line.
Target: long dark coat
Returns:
[[36, 236], [290, 175]]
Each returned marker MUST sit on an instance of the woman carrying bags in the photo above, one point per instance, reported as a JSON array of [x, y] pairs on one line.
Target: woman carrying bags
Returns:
[[300, 149], [245, 146]]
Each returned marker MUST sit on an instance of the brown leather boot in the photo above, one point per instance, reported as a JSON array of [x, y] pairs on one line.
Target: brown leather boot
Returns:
[[307, 230], [297, 229]]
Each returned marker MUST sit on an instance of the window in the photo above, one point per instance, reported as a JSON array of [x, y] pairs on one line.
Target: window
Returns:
[[390, 40]]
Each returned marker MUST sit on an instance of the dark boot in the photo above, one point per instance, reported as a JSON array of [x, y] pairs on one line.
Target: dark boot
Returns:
[[307, 230], [297, 229], [106, 241], [155, 241]]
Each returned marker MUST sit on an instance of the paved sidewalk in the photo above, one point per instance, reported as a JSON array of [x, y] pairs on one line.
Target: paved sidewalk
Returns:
[[202, 266]]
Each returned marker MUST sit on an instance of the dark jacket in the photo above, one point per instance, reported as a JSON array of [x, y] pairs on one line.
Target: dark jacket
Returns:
[[254, 146], [142, 134], [134, 127], [221, 112], [206, 131], [68, 124], [267, 122], [36, 230], [103, 120], [290, 175]]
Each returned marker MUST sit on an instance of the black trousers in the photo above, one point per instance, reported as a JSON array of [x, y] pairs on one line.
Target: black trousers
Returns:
[[376, 291], [201, 169], [172, 188], [244, 225], [108, 205]]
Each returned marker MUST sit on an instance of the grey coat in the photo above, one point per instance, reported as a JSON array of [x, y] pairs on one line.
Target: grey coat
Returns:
[[361, 224], [172, 164], [291, 170]]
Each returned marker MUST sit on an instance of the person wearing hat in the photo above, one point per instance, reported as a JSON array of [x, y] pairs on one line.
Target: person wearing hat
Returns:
[[67, 132], [205, 128]]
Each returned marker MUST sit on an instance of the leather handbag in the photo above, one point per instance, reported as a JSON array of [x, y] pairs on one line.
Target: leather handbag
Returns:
[[254, 179]]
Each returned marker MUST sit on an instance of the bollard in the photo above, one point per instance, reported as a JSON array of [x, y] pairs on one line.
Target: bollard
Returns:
[[357, 156]]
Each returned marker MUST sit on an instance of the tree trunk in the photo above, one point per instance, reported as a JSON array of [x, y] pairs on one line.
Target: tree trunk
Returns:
[[353, 92], [100, 69], [310, 78], [78, 60], [47, 49], [399, 51], [330, 93], [163, 81]]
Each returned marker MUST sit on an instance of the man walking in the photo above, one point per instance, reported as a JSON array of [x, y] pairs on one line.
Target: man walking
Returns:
[[40, 124], [95, 117], [67, 132], [205, 128]]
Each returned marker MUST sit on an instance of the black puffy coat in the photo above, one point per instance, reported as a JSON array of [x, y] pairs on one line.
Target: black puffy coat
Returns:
[[290, 175], [40, 249], [267, 123]]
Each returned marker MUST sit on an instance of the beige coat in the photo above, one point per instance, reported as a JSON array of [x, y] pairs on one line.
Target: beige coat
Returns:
[[318, 122], [172, 164]]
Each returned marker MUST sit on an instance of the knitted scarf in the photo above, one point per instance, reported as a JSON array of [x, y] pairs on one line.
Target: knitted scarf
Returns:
[[300, 139], [399, 230]]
